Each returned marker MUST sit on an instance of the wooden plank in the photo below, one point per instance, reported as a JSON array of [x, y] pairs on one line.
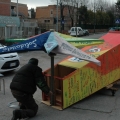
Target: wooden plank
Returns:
[[109, 86]]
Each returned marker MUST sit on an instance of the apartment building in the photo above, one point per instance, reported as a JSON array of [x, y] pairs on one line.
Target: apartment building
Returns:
[[47, 15], [6, 7], [12, 26]]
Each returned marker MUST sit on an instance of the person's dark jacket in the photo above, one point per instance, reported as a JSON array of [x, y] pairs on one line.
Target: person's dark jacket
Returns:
[[27, 78]]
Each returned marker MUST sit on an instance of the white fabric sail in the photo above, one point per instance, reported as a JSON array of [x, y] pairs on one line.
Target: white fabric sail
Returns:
[[66, 48]]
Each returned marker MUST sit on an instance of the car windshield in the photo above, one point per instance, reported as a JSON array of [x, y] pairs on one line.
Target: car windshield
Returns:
[[114, 29], [1, 45]]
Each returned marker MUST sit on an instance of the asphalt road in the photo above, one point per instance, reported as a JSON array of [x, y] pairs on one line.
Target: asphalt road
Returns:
[[99, 106]]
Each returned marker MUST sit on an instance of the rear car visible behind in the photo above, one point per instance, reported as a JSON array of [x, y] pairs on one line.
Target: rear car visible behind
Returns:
[[9, 61]]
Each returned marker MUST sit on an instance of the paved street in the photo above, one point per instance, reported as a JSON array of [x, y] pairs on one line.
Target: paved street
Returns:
[[99, 106]]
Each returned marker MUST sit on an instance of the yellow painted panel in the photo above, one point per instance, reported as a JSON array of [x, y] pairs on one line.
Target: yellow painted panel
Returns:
[[85, 82]]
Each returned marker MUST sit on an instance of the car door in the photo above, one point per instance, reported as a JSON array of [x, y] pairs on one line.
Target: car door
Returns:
[[80, 31], [72, 31]]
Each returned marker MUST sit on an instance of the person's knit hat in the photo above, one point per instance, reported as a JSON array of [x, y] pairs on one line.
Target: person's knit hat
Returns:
[[33, 61]]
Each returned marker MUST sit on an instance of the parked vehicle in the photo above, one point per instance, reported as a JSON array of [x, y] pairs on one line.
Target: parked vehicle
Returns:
[[86, 32], [8, 61], [114, 29], [76, 31]]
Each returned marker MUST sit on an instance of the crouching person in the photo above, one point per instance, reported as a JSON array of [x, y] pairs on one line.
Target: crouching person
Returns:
[[24, 84]]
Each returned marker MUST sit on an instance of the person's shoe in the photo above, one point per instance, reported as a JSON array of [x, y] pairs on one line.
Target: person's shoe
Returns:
[[16, 114]]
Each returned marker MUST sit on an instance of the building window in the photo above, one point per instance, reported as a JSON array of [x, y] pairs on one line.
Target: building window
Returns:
[[51, 12], [46, 21]]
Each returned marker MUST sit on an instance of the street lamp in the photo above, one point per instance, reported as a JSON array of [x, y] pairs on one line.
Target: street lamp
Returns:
[[76, 18], [17, 16], [17, 8], [94, 17], [57, 18]]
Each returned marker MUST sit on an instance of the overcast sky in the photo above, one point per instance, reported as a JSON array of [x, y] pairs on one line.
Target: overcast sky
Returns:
[[34, 3]]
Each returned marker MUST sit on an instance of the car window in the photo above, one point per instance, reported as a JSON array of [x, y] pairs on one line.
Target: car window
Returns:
[[72, 29], [1, 45]]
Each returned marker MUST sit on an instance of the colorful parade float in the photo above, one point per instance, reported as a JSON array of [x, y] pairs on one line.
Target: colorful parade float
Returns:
[[95, 65], [76, 79]]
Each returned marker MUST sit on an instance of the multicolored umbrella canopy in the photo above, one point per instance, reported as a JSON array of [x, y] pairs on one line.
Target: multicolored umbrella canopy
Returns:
[[50, 42]]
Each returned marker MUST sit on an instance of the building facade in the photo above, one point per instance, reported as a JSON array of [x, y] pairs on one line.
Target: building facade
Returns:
[[22, 9], [12, 26], [5, 7], [47, 16]]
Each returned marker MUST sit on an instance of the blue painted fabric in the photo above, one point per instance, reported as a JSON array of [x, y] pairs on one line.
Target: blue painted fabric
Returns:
[[34, 43]]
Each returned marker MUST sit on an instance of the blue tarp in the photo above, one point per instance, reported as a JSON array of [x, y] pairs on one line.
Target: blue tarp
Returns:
[[34, 43]]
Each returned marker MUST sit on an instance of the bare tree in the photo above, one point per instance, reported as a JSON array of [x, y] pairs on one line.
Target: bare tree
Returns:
[[83, 2], [72, 6], [100, 7]]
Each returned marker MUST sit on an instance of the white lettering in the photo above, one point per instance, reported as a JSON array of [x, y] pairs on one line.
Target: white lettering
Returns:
[[21, 46]]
